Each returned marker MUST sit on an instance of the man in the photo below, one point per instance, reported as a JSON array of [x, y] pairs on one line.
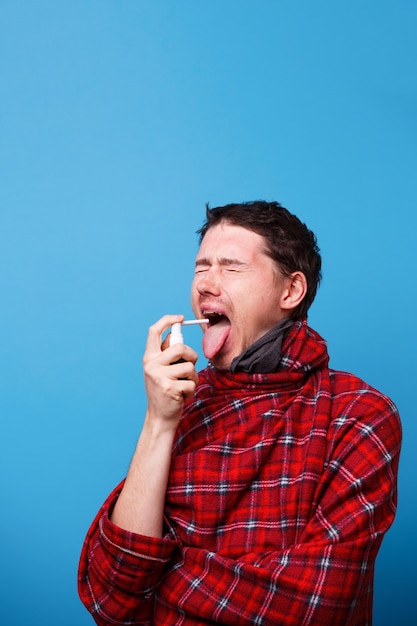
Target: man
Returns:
[[260, 489]]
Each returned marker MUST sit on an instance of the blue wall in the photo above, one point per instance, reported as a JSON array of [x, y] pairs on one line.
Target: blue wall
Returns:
[[119, 120]]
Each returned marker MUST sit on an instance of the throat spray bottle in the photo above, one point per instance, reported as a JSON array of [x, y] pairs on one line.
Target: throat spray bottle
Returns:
[[176, 335]]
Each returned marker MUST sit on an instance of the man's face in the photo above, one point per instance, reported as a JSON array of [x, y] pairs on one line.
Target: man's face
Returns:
[[239, 288]]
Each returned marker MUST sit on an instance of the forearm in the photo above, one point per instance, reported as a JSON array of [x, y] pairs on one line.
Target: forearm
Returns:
[[140, 506], [305, 584]]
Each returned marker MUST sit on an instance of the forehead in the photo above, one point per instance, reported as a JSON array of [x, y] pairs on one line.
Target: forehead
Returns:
[[226, 239]]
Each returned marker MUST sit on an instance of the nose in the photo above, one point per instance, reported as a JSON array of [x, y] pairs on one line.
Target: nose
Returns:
[[207, 282]]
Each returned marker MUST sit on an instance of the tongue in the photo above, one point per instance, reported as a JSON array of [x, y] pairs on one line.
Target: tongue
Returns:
[[214, 338]]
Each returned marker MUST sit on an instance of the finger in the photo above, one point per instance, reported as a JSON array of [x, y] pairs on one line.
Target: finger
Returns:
[[187, 388], [183, 370], [172, 354], [154, 340], [165, 342]]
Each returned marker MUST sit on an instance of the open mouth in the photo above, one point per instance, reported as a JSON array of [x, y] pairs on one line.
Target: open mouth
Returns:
[[214, 317], [216, 334]]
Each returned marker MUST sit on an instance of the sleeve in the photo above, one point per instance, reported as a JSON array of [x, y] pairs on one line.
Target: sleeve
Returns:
[[119, 571], [326, 578]]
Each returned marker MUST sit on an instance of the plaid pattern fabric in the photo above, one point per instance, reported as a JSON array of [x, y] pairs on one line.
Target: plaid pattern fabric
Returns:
[[281, 489]]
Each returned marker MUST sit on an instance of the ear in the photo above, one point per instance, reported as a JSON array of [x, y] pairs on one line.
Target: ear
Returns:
[[294, 292]]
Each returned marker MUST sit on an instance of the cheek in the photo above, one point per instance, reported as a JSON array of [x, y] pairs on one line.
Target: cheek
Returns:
[[193, 296]]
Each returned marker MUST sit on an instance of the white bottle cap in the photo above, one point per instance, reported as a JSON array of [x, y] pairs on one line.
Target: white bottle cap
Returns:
[[176, 334]]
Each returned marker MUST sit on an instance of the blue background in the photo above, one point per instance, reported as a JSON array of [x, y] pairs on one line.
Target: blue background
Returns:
[[119, 121]]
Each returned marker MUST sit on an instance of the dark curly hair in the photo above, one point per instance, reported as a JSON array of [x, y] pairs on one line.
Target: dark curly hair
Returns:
[[289, 242]]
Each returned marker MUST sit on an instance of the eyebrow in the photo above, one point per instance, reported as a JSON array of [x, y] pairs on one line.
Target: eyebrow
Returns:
[[222, 261]]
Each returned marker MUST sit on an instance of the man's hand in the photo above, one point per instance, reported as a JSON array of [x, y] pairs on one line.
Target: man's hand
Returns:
[[167, 381]]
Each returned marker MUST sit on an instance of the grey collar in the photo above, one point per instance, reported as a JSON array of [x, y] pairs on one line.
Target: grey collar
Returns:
[[263, 356]]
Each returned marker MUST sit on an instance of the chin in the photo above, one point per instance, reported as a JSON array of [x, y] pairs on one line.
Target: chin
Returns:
[[221, 363]]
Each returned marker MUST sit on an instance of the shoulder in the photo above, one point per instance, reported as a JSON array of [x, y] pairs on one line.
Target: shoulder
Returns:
[[348, 388], [356, 402]]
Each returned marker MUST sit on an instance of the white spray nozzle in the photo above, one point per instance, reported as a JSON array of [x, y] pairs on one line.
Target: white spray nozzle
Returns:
[[191, 322], [176, 331]]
